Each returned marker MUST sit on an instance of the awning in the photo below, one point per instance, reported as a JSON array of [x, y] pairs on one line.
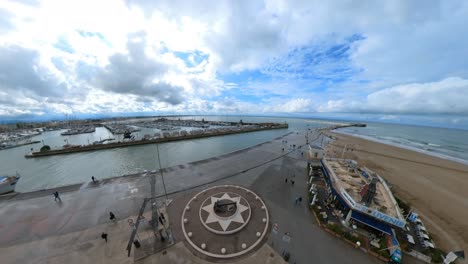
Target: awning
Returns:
[[421, 227], [410, 239], [423, 235], [429, 244], [367, 220]]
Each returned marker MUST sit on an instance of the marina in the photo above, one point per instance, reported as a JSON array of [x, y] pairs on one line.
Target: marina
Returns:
[[147, 140], [18, 144], [80, 130]]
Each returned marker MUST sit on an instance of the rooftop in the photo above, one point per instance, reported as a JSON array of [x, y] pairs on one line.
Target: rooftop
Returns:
[[357, 182]]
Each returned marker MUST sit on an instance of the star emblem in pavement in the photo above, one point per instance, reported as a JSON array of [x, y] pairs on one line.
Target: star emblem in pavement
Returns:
[[224, 223]]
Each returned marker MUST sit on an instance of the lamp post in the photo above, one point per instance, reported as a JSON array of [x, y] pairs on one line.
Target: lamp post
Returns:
[[162, 175]]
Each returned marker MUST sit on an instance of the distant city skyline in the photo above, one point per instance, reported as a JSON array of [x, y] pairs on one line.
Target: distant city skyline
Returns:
[[397, 61]]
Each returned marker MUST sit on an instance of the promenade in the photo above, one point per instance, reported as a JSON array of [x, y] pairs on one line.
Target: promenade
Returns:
[[35, 229]]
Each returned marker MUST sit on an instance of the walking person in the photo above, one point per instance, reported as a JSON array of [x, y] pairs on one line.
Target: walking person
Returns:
[[292, 182], [286, 180], [57, 196], [112, 216], [104, 236]]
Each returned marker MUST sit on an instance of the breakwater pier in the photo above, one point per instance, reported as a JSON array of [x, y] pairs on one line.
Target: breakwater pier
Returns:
[[168, 138]]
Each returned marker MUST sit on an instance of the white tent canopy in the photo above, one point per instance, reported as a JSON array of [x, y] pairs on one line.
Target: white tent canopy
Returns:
[[420, 234], [428, 244], [421, 227]]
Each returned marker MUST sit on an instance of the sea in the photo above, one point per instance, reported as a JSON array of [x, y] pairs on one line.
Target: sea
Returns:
[[446, 143], [60, 170]]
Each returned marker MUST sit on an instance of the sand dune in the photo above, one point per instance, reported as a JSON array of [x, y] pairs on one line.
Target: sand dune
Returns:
[[437, 188]]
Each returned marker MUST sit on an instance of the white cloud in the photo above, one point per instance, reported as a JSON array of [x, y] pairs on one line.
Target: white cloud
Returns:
[[56, 55], [21, 69], [290, 106], [445, 96]]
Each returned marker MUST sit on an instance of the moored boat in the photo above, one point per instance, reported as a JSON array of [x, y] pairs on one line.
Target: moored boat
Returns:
[[8, 183]]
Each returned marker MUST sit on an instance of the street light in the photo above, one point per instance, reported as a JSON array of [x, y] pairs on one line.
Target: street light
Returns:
[[162, 175]]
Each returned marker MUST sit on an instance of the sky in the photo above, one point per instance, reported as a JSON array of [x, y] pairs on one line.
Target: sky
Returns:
[[233, 57]]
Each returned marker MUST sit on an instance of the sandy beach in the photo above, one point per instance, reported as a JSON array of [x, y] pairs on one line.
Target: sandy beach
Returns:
[[435, 187]]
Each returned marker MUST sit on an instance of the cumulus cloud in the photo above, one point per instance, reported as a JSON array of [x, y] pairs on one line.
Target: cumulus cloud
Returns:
[[22, 70], [445, 96], [138, 74], [5, 21], [290, 106], [228, 56]]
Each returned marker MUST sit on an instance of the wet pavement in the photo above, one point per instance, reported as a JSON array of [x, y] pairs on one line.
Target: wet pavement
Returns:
[[35, 222]]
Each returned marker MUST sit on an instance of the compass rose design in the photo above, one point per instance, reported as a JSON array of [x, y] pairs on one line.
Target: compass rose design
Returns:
[[237, 214], [225, 221]]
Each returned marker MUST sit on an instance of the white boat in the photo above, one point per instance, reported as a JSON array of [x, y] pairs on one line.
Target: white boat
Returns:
[[8, 183]]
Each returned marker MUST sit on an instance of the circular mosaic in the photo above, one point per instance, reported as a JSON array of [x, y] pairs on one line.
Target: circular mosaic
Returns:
[[234, 212], [225, 213]]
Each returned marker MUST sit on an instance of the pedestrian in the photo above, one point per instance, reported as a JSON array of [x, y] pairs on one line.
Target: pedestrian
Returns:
[[300, 199], [286, 180], [104, 236], [282, 149], [112, 216], [93, 179], [57, 197], [292, 182]]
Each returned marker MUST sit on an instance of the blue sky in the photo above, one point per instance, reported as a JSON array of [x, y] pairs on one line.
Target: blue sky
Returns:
[[389, 59]]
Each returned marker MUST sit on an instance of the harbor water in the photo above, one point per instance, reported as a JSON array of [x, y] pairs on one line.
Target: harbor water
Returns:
[[59, 170]]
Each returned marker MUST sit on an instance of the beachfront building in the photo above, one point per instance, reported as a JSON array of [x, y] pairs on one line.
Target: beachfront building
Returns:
[[316, 152], [362, 196]]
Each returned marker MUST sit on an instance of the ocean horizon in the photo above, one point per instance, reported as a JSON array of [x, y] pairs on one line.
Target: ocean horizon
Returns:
[[445, 143]]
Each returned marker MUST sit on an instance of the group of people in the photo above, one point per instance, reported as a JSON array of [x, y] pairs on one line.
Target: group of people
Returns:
[[57, 195], [104, 235], [292, 179], [298, 199], [286, 181], [112, 218]]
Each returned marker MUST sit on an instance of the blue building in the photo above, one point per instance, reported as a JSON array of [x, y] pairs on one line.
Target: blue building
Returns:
[[362, 195]]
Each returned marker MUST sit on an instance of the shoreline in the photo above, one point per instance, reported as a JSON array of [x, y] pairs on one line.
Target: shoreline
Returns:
[[435, 187], [394, 144]]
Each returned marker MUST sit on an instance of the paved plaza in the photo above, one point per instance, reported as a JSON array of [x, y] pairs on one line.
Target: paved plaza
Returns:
[[35, 229]]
